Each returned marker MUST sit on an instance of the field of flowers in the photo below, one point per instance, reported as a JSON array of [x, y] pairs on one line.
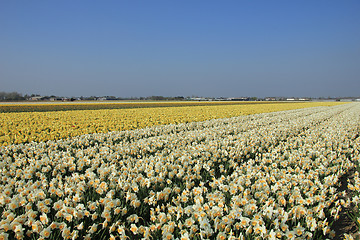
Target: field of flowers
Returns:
[[263, 176], [46, 122], [70, 106]]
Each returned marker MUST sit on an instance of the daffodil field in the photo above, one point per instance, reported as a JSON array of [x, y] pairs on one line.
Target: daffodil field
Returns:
[[69, 106], [270, 175], [49, 122]]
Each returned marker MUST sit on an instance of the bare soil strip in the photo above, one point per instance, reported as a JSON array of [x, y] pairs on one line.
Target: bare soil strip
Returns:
[[345, 224]]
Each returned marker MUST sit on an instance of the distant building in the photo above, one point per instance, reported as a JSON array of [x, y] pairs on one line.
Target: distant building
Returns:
[[344, 100], [239, 99], [55, 99], [199, 99], [36, 98]]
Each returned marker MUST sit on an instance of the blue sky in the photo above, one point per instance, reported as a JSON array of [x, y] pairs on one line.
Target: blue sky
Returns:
[[181, 48]]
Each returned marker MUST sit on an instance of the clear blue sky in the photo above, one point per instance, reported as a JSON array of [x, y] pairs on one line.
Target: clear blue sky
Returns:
[[171, 48]]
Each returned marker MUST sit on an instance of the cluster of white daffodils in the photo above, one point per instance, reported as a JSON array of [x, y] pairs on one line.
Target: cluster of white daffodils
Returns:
[[264, 176]]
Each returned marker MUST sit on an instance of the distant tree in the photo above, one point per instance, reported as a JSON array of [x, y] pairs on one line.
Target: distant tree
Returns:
[[11, 96], [179, 98], [156, 98], [111, 98]]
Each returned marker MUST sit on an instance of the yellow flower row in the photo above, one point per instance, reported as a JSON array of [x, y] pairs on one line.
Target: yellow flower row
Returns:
[[67, 106], [25, 127]]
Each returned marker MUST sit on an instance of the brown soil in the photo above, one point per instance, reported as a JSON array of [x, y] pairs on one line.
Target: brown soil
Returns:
[[345, 224]]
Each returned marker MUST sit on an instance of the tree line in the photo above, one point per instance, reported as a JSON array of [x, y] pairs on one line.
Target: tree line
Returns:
[[11, 96]]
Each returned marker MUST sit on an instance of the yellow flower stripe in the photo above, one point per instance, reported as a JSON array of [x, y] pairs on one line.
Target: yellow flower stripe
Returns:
[[66, 106], [22, 127]]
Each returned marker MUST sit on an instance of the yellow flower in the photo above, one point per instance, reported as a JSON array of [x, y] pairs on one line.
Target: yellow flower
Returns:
[[289, 234], [221, 236], [46, 232], [93, 228], [185, 236], [44, 219], [189, 222], [133, 228], [299, 231], [65, 233], [4, 236]]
